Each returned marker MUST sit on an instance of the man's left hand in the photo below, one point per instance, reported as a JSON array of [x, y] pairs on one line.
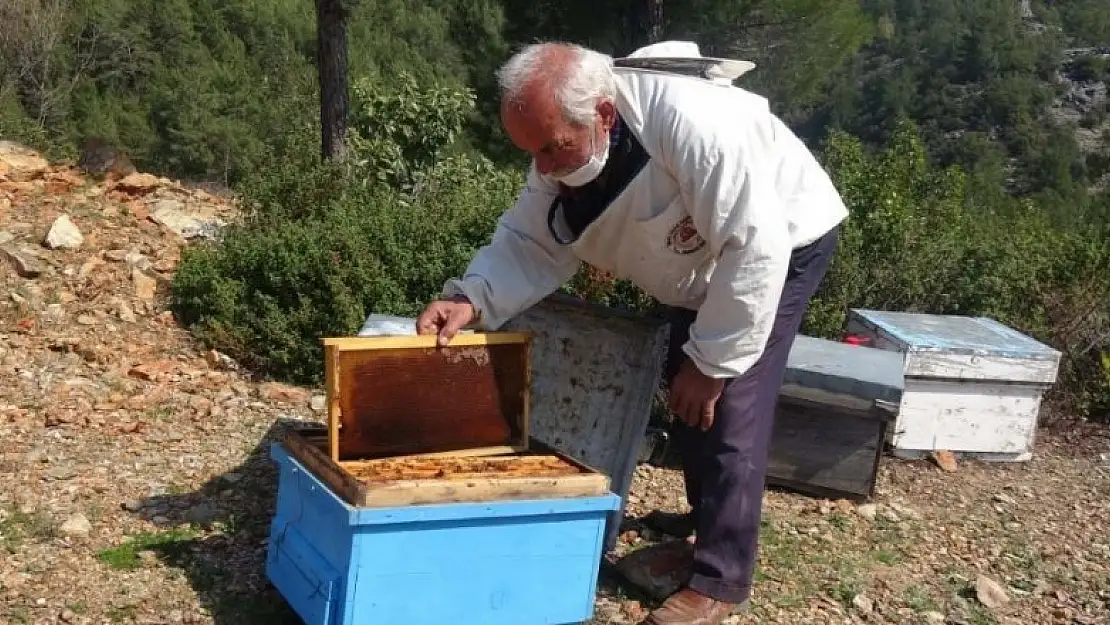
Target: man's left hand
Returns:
[[693, 395]]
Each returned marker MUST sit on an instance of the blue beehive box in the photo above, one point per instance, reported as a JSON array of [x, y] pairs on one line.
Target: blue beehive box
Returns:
[[425, 500]]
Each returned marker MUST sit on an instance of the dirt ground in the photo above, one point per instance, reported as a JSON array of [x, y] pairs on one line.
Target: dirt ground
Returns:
[[136, 486]]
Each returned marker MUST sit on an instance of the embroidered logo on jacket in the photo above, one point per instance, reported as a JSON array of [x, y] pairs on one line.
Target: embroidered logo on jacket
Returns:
[[684, 238]]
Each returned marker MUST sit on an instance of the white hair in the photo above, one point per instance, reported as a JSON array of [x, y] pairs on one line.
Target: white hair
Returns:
[[588, 78]]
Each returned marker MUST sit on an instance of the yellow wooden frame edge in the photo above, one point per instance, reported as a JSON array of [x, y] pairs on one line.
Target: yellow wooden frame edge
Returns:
[[349, 343]]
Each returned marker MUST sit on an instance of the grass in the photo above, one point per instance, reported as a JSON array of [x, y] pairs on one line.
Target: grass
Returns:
[[172, 543], [919, 599], [17, 527]]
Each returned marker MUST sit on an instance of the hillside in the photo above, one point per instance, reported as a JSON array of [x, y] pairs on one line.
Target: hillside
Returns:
[[138, 489]]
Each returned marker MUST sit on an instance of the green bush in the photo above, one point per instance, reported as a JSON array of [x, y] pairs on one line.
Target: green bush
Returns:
[[322, 246], [915, 242]]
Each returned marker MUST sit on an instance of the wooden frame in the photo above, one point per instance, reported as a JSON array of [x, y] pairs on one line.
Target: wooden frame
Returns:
[[309, 449], [334, 349]]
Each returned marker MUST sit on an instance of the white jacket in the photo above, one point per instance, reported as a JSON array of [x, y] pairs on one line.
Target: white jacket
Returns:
[[708, 224]]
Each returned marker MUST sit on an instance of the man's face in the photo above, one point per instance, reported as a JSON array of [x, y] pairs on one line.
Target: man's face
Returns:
[[557, 145]]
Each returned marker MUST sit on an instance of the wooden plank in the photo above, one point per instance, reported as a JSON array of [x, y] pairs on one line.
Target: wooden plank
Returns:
[[989, 417], [317, 461], [331, 389], [414, 401], [482, 489], [424, 341], [825, 451]]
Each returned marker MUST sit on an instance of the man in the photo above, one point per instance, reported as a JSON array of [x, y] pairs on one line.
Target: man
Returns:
[[693, 190]]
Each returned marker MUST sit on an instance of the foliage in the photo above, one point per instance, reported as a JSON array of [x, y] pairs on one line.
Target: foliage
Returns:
[[915, 242], [323, 247]]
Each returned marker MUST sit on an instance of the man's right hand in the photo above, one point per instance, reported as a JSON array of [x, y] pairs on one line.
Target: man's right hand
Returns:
[[445, 318]]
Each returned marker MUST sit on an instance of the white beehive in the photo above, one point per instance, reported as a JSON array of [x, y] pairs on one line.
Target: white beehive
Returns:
[[972, 385]]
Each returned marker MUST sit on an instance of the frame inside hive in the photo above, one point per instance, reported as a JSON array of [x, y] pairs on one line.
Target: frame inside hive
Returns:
[[537, 473], [409, 422]]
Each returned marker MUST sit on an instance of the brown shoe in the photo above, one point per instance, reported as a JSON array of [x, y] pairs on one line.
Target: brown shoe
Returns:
[[690, 607], [671, 523]]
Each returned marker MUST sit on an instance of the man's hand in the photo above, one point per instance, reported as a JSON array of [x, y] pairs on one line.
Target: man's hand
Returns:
[[693, 395], [445, 318]]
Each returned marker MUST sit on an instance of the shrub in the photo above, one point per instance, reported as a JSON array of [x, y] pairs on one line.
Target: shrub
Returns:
[[914, 242], [321, 246]]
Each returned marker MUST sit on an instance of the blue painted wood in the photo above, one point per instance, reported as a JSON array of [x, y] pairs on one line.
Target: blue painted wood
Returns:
[[839, 368], [955, 334], [516, 562]]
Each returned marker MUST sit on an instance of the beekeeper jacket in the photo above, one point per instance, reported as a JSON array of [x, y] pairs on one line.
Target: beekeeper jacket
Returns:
[[708, 224]]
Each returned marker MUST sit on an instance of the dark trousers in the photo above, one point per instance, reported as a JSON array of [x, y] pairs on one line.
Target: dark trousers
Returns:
[[725, 468]]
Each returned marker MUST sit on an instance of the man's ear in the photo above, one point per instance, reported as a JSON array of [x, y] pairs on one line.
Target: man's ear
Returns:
[[608, 113]]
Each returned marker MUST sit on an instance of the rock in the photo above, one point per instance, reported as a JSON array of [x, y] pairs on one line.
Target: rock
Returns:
[[116, 256], [25, 263], [20, 162], [658, 570], [132, 505], [202, 514], [67, 615], [868, 511], [137, 183], [944, 459], [218, 360], [135, 259], [62, 473], [934, 618], [990, 593], [863, 603], [318, 403], [167, 213], [86, 320], [145, 286], [125, 312], [76, 525], [283, 393], [64, 234], [6, 237]]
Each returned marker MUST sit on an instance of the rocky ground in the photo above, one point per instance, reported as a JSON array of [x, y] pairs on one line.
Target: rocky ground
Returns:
[[136, 486]]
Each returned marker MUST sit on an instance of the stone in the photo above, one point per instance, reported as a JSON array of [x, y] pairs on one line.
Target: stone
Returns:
[[202, 514], [658, 570], [868, 511], [24, 263], [64, 472], [86, 320], [145, 286], [116, 256], [64, 234], [125, 313], [135, 259], [283, 393], [990, 593], [318, 403], [945, 459], [6, 237], [132, 505], [168, 214], [934, 618], [137, 183], [76, 525], [20, 162], [863, 603]]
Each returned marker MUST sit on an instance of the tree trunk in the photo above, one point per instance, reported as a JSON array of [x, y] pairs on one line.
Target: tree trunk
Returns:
[[331, 51], [645, 21]]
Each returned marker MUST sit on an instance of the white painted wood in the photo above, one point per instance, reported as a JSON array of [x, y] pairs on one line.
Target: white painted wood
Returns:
[[984, 417], [972, 385], [930, 364]]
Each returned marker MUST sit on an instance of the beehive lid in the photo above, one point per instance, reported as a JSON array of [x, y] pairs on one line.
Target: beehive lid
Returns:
[[394, 396], [954, 334], [834, 372]]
